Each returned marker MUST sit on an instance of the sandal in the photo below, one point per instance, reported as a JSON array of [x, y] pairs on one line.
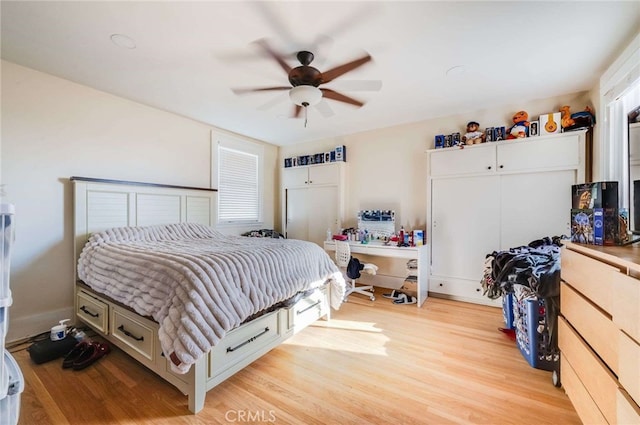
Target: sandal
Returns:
[[394, 295], [405, 299]]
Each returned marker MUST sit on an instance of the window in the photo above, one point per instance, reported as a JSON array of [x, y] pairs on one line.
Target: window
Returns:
[[239, 166], [619, 91]]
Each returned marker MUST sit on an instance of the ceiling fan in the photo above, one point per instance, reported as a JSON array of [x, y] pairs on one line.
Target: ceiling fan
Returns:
[[305, 81]]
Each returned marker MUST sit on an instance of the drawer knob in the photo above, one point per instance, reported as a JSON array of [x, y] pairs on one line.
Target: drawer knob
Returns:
[[84, 308], [253, 338], [129, 334]]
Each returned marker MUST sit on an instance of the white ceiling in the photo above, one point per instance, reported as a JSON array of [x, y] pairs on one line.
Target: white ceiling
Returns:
[[189, 55]]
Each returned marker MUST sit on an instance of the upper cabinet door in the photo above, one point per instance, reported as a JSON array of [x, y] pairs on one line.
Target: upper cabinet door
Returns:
[[470, 160], [539, 153], [295, 176], [324, 174]]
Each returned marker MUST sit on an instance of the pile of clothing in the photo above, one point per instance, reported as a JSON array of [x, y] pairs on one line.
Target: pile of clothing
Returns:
[[529, 272]]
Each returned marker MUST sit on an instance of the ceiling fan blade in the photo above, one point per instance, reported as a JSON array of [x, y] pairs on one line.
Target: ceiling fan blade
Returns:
[[324, 109], [245, 90], [330, 94], [357, 85], [276, 100], [296, 111], [334, 73], [275, 55]]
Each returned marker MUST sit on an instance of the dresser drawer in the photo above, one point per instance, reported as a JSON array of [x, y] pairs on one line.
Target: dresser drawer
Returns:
[[243, 342], [629, 375], [579, 396], [590, 277], [626, 302], [592, 324], [308, 310], [593, 374], [628, 410], [92, 311], [139, 337]]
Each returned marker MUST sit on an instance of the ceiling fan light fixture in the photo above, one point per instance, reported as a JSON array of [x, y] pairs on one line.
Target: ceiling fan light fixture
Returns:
[[305, 95]]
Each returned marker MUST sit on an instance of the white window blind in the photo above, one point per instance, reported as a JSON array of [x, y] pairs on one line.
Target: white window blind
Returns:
[[238, 186]]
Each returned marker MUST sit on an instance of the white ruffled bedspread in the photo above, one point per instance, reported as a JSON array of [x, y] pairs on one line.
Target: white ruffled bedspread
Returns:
[[197, 283]]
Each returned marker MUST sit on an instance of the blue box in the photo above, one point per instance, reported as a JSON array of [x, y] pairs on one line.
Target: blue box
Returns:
[[439, 141], [507, 311], [598, 226], [532, 334]]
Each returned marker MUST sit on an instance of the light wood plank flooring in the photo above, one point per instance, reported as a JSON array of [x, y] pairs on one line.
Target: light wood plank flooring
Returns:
[[375, 363]]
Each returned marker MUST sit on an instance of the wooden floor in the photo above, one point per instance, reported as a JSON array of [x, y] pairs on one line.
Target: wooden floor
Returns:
[[375, 363]]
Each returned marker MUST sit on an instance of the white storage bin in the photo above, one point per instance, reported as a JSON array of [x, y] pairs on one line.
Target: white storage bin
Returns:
[[4, 376], [10, 404], [7, 216]]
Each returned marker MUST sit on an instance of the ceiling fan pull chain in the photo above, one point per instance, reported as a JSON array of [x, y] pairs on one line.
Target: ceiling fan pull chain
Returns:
[[305, 117]]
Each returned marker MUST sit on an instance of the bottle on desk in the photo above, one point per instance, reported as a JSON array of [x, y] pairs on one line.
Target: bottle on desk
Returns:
[[401, 236]]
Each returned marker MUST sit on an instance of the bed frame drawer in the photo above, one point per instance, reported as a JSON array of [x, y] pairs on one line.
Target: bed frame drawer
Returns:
[[139, 337], [590, 277], [308, 310], [599, 382], [92, 311], [243, 342], [592, 324]]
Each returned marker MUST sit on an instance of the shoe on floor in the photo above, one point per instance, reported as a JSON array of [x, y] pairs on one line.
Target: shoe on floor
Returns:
[[405, 299], [394, 295], [92, 353], [73, 355]]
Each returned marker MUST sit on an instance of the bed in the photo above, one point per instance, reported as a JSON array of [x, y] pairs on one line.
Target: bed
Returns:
[[193, 305]]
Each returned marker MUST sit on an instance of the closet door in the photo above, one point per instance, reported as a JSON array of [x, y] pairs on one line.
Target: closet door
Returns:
[[322, 208], [297, 219], [534, 205], [465, 225]]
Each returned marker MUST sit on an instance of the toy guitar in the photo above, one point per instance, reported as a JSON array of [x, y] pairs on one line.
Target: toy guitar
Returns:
[[551, 126]]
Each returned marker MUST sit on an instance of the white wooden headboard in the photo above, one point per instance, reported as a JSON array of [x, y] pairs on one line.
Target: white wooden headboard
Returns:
[[100, 204]]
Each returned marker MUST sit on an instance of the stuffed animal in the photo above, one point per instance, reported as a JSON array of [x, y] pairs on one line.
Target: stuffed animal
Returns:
[[520, 125], [565, 117], [473, 135]]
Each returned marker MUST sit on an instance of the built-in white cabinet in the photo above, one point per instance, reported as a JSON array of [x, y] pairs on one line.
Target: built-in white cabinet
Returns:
[[328, 174], [496, 196], [313, 199]]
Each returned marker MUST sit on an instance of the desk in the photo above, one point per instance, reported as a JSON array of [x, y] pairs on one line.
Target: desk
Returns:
[[420, 253]]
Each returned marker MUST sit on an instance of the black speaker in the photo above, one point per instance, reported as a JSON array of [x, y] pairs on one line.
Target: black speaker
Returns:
[[47, 350]]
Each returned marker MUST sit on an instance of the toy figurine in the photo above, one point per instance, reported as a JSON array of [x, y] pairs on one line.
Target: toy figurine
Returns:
[[577, 120], [520, 125], [473, 135], [565, 117]]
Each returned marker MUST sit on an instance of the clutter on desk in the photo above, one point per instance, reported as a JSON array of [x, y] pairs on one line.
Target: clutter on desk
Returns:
[[380, 226]]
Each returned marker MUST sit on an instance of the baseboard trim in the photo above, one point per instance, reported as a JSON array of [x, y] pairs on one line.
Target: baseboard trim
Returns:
[[488, 302], [22, 328]]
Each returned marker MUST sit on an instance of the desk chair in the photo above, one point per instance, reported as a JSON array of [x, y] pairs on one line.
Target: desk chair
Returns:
[[343, 256]]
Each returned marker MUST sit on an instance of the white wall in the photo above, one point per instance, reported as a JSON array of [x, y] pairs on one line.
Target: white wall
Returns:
[[53, 129], [387, 168]]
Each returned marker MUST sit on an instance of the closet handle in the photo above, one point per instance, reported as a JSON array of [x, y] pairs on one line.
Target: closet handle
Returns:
[[489, 167], [502, 166]]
